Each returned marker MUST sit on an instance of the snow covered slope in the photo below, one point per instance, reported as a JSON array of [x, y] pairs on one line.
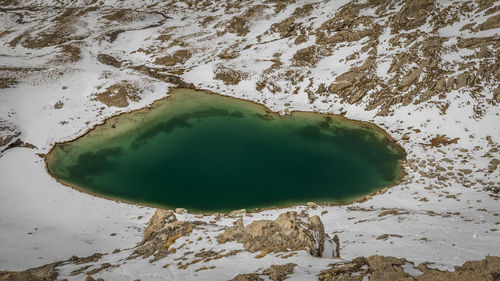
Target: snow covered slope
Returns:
[[427, 71]]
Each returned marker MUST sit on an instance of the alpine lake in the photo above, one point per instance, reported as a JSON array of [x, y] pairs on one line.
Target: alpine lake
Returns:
[[206, 152]]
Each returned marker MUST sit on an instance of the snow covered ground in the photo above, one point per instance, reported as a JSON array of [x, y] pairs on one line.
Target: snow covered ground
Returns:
[[446, 210]]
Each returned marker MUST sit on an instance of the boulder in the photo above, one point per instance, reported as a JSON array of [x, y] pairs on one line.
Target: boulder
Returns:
[[288, 232], [157, 222]]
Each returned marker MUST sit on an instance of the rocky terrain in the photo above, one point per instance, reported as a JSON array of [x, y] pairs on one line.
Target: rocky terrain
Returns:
[[285, 235], [427, 71]]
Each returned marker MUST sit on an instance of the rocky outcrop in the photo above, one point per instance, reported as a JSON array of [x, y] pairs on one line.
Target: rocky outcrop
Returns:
[[288, 232], [279, 272], [390, 268], [162, 231], [43, 273], [229, 76], [157, 222], [413, 14], [119, 94], [108, 60], [178, 57], [275, 273], [491, 23], [247, 277]]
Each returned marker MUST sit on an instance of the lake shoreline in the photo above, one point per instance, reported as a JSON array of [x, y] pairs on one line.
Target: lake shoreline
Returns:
[[291, 203]]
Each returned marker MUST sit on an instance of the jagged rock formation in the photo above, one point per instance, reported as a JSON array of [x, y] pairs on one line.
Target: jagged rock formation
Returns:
[[288, 232], [162, 231]]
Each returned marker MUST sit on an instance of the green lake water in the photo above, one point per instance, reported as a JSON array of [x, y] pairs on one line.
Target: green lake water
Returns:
[[207, 152]]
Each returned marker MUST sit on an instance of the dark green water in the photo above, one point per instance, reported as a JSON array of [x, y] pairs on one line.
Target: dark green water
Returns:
[[205, 152]]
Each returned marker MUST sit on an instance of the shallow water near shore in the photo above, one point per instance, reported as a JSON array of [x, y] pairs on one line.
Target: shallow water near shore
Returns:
[[207, 152]]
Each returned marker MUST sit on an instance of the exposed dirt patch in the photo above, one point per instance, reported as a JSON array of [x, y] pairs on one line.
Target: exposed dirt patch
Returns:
[[108, 60], [179, 57], [7, 82], [229, 76], [119, 94], [442, 140]]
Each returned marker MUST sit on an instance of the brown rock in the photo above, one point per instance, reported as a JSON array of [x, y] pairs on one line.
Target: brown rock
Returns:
[[286, 233], [108, 60], [387, 268], [179, 57], [162, 232], [280, 272], [247, 277], [413, 14], [490, 23], [119, 94], [496, 95], [382, 268], [157, 222], [43, 273]]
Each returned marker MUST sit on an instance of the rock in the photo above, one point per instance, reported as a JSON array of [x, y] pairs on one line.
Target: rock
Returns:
[[340, 85], [312, 205], [280, 272], [229, 76], [387, 268], [336, 240], [411, 78], [286, 233], [490, 23], [285, 28], [390, 268], [275, 273], [180, 210], [247, 277], [238, 222], [487, 269], [179, 57], [159, 243], [412, 14], [157, 222], [58, 105], [440, 85], [238, 26], [109, 60], [496, 95], [229, 54], [236, 213], [43, 273]]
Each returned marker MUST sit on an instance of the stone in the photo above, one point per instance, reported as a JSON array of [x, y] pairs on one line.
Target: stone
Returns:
[[384, 268], [109, 60], [312, 205], [287, 233], [236, 213], [178, 57], [490, 23], [280, 272], [157, 222], [496, 95], [247, 277], [180, 210]]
